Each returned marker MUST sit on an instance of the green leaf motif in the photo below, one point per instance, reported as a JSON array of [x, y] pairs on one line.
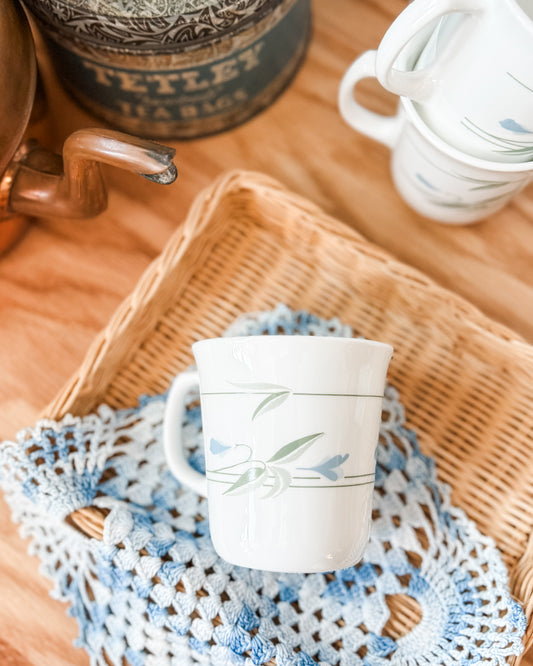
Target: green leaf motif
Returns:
[[282, 480], [489, 186], [261, 386], [271, 402], [293, 450], [466, 205], [253, 477], [520, 82], [237, 467]]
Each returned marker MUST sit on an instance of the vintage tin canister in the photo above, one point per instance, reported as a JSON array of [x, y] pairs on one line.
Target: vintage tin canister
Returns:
[[174, 68]]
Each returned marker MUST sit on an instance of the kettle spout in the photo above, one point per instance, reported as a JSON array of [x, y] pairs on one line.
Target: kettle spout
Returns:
[[42, 184]]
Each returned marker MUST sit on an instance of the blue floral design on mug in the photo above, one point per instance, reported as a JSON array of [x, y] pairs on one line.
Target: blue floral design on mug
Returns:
[[331, 468]]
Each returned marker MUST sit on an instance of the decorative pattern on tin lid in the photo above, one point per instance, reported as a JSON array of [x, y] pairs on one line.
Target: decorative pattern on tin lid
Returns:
[[145, 8], [155, 24], [156, 594]]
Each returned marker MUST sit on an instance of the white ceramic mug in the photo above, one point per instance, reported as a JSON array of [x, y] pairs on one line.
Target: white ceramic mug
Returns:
[[290, 426], [473, 81], [437, 180]]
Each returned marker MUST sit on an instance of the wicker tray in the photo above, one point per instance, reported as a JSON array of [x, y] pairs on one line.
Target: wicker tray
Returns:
[[248, 244]]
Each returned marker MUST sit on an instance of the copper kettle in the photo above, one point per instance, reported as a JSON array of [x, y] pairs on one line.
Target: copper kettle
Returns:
[[37, 182]]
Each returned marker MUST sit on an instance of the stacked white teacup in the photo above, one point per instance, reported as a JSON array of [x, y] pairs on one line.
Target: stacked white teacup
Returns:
[[462, 141]]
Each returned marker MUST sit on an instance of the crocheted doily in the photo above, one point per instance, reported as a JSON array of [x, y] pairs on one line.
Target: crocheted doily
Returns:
[[155, 592]]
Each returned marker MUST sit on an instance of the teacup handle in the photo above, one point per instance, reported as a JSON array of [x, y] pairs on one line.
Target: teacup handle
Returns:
[[385, 129], [172, 437], [418, 16]]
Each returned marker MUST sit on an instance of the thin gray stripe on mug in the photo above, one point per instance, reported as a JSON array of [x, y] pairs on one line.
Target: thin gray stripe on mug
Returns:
[[328, 395], [309, 478], [335, 485]]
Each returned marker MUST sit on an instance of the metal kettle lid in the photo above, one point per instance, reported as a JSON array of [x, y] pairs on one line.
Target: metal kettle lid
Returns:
[[18, 74]]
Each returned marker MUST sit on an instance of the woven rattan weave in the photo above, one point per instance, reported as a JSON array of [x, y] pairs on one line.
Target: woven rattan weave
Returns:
[[247, 245]]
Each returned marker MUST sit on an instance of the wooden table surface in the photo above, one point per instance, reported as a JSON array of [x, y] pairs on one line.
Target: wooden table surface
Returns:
[[61, 283]]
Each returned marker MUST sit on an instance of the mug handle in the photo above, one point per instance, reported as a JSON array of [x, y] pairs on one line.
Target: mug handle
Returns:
[[172, 437], [385, 129], [418, 16]]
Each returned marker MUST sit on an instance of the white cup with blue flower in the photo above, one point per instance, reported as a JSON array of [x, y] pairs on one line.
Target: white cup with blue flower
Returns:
[[290, 427], [434, 178], [472, 80]]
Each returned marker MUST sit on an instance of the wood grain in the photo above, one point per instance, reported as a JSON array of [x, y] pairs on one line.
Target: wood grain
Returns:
[[59, 286]]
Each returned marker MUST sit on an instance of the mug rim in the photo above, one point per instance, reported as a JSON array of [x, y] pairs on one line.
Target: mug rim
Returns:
[[329, 339], [455, 153]]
